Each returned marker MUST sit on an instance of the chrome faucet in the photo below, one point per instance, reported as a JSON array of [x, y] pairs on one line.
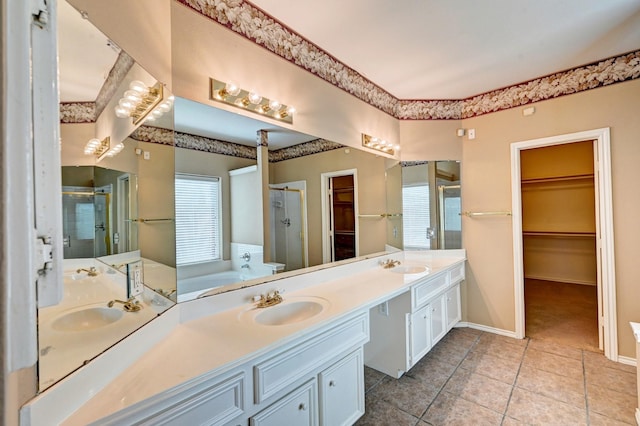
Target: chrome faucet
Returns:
[[92, 272], [130, 305], [389, 263], [246, 256], [270, 299], [245, 266]]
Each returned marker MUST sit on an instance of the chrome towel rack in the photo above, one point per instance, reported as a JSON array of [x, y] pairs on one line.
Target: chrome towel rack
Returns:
[[151, 220], [478, 214]]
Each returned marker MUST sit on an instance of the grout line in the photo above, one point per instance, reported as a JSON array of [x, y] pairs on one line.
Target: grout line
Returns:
[[451, 375], [513, 387], [586, 396]]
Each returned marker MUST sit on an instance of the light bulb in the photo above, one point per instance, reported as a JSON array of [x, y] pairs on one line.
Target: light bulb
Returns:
[[149, 119], [254, 98], [291, 110], [232, 88], [139, 87], [93, 142], [274, 105], [126, 104], [133, 96], [164, 106], [156, 113], [121, 112]]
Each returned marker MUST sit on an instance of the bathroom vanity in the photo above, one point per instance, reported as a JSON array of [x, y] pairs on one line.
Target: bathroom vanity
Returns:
[[222, 360]]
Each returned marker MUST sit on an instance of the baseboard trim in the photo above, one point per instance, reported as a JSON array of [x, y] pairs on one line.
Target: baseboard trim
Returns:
[[486, 328], [638, 416], [627, 360]]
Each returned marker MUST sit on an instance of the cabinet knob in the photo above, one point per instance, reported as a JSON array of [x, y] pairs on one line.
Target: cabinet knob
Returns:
[[332, 383], [302, 406], [425, 316], [448, 299], [433, 309]]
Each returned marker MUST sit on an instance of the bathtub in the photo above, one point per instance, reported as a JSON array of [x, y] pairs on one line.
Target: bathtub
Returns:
[[190, 288]]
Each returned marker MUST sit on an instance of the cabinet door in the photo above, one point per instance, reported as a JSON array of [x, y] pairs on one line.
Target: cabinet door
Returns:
[[453, 307], [297, 408], [420, 334], [438, 318], [342, 391]]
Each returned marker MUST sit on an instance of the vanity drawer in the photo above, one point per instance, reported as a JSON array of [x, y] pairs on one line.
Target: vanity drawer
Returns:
[[211, 402], [280, 371], [457, 273], [423, 292]]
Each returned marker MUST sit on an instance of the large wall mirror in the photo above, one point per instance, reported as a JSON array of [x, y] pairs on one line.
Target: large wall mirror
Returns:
[[323, 202], [117, 208], [300, 204]]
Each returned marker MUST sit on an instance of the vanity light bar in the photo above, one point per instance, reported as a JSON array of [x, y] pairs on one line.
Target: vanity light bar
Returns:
[[232, 94], [379, 144]]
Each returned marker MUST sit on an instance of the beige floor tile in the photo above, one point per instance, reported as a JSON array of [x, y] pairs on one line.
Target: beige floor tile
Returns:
[[508, 421], [593, 360], [371, 378], [488, 365], [449, 352], [616, 405], [532, 408], [560, 388], [380, 413], [449, 409], [482, 390], [432, 370], [499, 348], [612, 378], [552, 363], [490, 337], [555, 348], [596, 419], [408, 394], [460, 337]]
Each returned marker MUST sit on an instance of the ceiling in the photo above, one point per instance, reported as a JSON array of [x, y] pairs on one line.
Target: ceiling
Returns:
[[414, 49], [455, 49]]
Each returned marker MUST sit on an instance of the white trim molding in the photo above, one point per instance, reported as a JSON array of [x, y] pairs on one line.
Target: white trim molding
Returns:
[[493, 330], [604, 225]]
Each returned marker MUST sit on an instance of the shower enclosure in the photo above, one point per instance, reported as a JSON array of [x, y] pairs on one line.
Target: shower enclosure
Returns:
[[86, 215], [288, 227]]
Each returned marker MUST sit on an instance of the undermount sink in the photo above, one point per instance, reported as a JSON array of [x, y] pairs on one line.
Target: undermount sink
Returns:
[[288, 312], [408, 269], [87, 318]]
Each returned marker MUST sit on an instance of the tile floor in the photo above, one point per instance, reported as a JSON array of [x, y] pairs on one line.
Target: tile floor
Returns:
[[477, 378]]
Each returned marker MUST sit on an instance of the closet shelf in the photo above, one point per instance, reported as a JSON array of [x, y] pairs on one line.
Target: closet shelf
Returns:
[[559, 234], [558, 179]]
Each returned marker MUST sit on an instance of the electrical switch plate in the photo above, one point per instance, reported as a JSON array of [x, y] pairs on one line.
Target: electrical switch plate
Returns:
[[383, 308], [135, 281], [472, 134]]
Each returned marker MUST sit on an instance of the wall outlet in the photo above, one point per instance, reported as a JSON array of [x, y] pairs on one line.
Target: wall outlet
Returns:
[[146, 155], [383, 309], [472, 134], [135, 281]]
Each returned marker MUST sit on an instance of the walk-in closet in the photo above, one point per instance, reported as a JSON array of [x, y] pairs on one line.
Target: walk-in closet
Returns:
[[559, 241]]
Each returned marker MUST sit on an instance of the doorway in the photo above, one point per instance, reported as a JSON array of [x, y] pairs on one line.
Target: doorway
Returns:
[[339, 213], [559, 248], [601, 233]]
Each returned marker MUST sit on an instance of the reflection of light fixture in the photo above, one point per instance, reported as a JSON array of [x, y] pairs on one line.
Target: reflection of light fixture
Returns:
[[139, 101], [99, 148], [232, 94], [379, 144]]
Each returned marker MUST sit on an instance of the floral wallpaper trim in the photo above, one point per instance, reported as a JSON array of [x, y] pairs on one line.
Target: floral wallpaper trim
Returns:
[[120, 68], [303, 149], [255, 25], [153, 135], [78, 112], [200, 143], [412, 163]]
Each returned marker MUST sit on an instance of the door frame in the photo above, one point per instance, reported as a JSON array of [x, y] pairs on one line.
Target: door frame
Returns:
[[326, 210], [607, 321]]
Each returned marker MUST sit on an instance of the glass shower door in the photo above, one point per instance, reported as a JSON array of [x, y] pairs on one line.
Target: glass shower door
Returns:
[[78, 222]]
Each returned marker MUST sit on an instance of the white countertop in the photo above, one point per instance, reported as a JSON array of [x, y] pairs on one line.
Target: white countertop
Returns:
[[204, 343]]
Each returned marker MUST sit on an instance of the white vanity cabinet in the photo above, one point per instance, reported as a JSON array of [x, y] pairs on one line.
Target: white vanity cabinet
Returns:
[[297, 408], [409, 325]]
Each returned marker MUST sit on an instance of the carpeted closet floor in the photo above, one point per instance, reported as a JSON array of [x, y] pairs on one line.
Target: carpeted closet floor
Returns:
[[561, 313]]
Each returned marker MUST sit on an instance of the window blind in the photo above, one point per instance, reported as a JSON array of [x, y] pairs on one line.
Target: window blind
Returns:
[[197, 219], [415, 216]]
